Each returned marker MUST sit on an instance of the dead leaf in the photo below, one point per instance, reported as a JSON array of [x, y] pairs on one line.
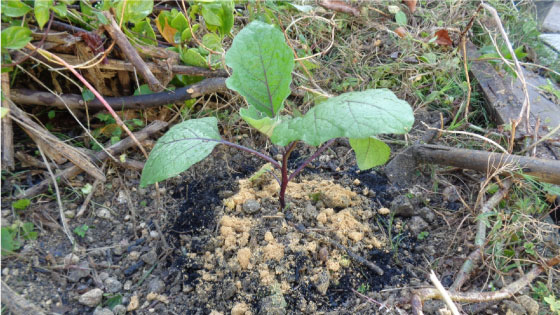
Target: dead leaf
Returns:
[[166, 30], [411, 4], [340, 6], [401, 31], [443, 38]]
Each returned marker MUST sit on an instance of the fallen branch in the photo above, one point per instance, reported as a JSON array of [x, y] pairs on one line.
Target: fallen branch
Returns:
[[114, 149], [75, 101], [16, 303], [7, 131], [130, 52]]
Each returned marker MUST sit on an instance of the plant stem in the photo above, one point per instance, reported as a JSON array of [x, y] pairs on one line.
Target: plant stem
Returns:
[[311, 158], [285, 178], [249, 150]]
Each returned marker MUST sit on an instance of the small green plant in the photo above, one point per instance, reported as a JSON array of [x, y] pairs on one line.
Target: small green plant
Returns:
[[540, 291], [262, 64], [81, 230], [363, 288], [553, 303], [21, 204], [13, 236], [423, 235]]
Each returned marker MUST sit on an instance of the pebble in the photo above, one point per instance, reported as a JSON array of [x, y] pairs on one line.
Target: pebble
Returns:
[[417, 225], [119, 309], [251, 206], [80, 272], [150, 257], [450, 194], [104, 214], [384, 211], [154, 234], [71, 259], [121, 198], [322, 282], [240, 309], [529, 304], [134, 303], [91, 298], [70, 214], [514, 308], [273, 305], [113, 285], [356, 182], [134, 255], [156, 285], [133, 268], [127, 285], [229, 291], [103, 276], [103, 311], [402, 206], [427, 214]]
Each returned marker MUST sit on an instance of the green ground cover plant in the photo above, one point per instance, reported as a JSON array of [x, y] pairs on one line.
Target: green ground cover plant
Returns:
[[262, 63]]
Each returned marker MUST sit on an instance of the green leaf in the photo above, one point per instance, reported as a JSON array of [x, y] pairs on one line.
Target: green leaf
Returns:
[[14, 8], [192, 57], [262, 66], [187, 34], [212, 41], [81, 230], [51, 114], [258, 120], [8, 243], [145, 32], [400, 17], [352, 115], [42, 11], [211, 12], [87, 95], [113, 301], [370, 152], [227, 17], [21, 204], [135, 10], [182, 146], [27, 231], [15, 37], [180, 23], [4, 112], [60, 9]]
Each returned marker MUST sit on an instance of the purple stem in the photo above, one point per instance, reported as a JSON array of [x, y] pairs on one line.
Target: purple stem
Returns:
[[311, 158], [285, 178]]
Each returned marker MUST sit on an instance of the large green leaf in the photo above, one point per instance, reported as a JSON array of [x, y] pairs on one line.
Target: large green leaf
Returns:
[[41, 8], [355, 115], [262, 66], [15, 37], [259, 121], [182, 146], [14, 8], [135, 10], [370, 152]]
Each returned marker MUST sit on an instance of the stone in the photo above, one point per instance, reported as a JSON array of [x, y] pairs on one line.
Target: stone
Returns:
[[251, 206], [244, 257], [70, 214], [321, 282], [103, 311], [513, 308], [156, 285], [112, 285], [104, 214], [417, 225], [119, 309], [530, 305], [384, 211], [80, 272], [91, 298], [239, 309], [134, 303], [450, 194], [427, 214], [402, 206], [229, 291], [273, 305], [150, 257]]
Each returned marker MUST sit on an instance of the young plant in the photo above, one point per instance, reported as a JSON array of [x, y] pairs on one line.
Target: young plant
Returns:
[[262, 64]]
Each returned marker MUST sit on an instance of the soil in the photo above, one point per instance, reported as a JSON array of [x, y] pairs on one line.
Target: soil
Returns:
[[232, 251]]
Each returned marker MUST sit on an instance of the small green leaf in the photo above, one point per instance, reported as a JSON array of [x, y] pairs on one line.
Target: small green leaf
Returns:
[[42, 8], [192, 57], [227, 17], [135, 10], [87, 95], [113, 301], [400, 17], [8, 243], [212, 41], [355, 115], [144, 89], [15, 37], [182, 146], [60, 9], [21, 204], [145, 32], [14, 8], [27, 231], [51, 114], [211, 12], [187, 34], [81, 230], [370, 152], [179, 22], [262, 66], [4, 112], [86, 190], [258, 120]]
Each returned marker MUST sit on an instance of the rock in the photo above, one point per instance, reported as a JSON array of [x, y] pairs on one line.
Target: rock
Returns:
[[154, 234], [450, 194], [80, 272], [309, 212], [71, 259], [103, 311], [530, 305], [91, 298], [417, 225], [384, 211], [402, 206], [112, 285], [244, 256], [239, 309], [121, 198], [427, 214], [513, 308], [321, 282], [119, 310], [251, 206], [229, 291], [134, 255], [150, 257], [134, 303], [103, 276], [104, 214], [273, 305], [156, 285], [127, 285], [70, 214]]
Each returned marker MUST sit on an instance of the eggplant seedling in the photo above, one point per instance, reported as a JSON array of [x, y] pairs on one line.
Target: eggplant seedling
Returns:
[[262, 65]]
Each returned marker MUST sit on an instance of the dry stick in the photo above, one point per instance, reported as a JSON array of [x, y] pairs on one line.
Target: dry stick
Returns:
[[75, 101], [546, 137], [7, 130], [130, 52], [444, 293], [480, 238], [116, 148], [58, 199], [88, 197], [526, 109], [17, 304], [463, 40], [301, 228]]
